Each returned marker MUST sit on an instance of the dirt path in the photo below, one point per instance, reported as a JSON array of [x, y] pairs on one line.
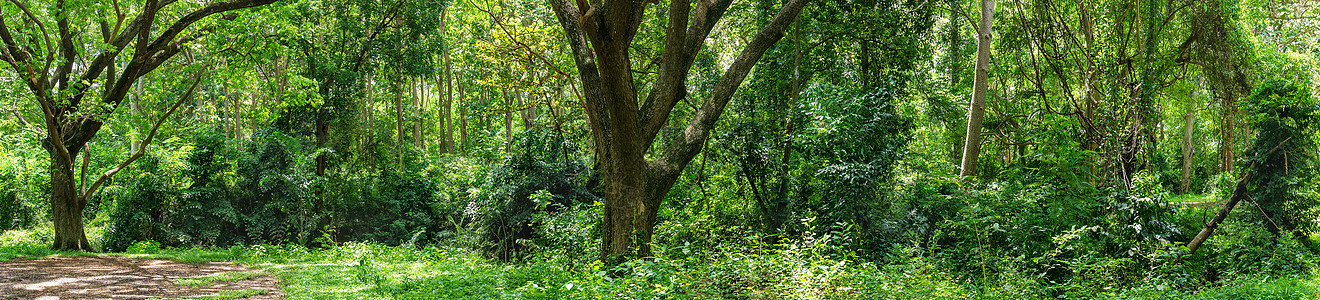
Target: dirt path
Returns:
[[118, 278]]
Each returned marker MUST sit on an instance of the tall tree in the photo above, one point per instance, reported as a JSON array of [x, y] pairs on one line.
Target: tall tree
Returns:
[[976, 114], [624, 129], [62, 67]]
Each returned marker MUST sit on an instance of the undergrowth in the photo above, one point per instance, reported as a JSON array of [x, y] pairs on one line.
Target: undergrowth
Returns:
[[373, 271]]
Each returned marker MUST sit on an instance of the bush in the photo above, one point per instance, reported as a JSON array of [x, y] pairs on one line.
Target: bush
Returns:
[[543, 165], [139, 210]]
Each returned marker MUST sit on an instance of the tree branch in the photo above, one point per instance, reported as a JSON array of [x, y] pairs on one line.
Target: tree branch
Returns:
[[688, 144], [681, 48], [145, 142], [585, 60], [1239, 193]]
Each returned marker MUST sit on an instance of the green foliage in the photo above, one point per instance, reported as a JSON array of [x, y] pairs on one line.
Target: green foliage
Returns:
[[856, 140], [10, 209], [1283, 114], [139, 212], [545, 176]]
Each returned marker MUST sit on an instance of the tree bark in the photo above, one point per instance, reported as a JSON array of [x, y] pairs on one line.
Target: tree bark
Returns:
[[418, 101], [624, 131], [1189, 123], [463, 125], [66, 205], [976, 113], [1226, 134], [447, 109], [398, 116]]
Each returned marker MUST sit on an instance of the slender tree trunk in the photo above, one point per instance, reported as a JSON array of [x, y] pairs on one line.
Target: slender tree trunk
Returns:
[[1226, 135], [418, 101], [447, 120], [463, 126], [528, 113], [976, 114], [1090, 92], [136, 107], [1189, 123], [508, 121], [398, 115], [368, 111]]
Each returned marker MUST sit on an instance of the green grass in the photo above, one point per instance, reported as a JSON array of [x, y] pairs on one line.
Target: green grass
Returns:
[[373, 271], [226, 295], [1192, 198], [224, 276]]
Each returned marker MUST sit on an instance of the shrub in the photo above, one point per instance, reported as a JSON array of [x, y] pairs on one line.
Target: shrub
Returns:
[[543, 165]]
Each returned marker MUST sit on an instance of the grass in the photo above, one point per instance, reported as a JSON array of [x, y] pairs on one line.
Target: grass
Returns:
[[224, 276], [1192, 198], [226, 295], [373, 271]]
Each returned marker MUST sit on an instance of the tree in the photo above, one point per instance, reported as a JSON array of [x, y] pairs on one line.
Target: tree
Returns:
[[65, 67], [976, 114], [600, 33]]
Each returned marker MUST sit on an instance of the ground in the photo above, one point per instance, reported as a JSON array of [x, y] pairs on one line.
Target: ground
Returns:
[[109, 277]]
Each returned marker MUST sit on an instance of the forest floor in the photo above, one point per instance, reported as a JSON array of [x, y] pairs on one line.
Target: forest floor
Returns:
[[111, 277]]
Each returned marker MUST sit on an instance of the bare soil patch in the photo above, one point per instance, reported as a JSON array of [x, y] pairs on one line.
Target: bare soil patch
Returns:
[[108, 277]]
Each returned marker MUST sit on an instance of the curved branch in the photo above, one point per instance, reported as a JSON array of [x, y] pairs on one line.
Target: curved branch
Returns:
[[145, 142]]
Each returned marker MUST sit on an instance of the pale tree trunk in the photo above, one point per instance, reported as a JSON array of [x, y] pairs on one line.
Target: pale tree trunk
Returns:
[[1189, 123], [624, 126], [418, 102], [447, 90], [136, 107], [398, 115], [368, 110], [508, 121], [976, 114], [463, 125]]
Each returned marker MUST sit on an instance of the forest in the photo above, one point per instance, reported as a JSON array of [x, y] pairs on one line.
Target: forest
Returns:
[[649, 149]]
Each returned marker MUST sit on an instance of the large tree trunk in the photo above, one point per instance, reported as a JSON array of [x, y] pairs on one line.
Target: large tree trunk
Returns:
[[976, 113], [66, 204], [1188, 150]]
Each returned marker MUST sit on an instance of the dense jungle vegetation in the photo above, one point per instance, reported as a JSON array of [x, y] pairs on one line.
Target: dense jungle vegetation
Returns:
[[642, 149]]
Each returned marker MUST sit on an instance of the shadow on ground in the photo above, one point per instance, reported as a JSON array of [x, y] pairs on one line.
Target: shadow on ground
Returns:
[[109, 277]]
